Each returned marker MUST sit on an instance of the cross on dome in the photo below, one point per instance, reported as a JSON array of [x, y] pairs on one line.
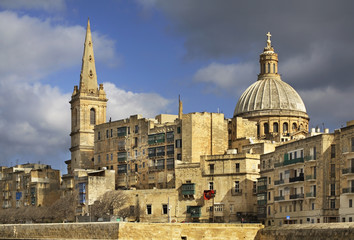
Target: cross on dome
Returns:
[[268, 39]]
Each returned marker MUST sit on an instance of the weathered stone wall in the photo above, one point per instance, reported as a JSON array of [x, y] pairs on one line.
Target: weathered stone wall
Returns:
[[127, 231], [342, 231]]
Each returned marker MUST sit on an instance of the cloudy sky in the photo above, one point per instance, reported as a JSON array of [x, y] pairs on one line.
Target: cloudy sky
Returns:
[[150, 51]]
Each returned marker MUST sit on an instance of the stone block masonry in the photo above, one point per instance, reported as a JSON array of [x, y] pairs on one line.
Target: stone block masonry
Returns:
[[129, 231]]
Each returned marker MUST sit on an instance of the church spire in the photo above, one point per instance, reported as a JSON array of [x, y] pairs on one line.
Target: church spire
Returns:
[[88, 77], [268, 61]]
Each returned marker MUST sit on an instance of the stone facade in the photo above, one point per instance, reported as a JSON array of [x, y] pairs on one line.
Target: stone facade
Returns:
[[29, 184], [308, 181]]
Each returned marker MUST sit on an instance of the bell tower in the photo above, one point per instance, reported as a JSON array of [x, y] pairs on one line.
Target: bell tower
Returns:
[[88, 108]]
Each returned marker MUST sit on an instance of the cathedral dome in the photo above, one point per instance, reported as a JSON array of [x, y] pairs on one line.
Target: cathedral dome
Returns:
[[270, 96]]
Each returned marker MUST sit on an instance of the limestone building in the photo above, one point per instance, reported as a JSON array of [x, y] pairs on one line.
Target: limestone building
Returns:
[[29, 185]]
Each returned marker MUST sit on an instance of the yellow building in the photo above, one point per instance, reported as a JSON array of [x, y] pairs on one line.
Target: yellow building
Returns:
[[29, 184]]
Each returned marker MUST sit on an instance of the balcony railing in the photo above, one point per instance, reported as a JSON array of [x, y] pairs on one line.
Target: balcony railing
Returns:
[[188, 189], [297, 196], [278, 182], [309, 158], [310, 177], [293, 161], [310, 194], [297, 179], [279, 198], [348, 190], [348, 170]]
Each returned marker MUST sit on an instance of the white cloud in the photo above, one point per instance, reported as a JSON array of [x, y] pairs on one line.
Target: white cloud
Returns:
[[122, 104], [35, 117], [230, 77], [32, 48], [47, 5]]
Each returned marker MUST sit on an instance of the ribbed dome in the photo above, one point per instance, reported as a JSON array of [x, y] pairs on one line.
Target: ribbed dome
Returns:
[[269, 94]]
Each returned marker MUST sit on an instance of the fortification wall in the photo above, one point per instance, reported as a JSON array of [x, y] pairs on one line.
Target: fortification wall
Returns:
[[342, 231], [128, 231]]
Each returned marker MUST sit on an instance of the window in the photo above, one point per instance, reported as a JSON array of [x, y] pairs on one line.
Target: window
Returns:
[[269, 194], [350, 219], [269, 180], [92, 116], [179, 156], [237, 167], [136, 128], [99, 159], [111, 156], [274, 68], [268, 67], [178, 129], [266, 128], [237, 186], [333, 170], [294, 126], [350, 203], [107, 133], [178, 143], [275, 127], [268, 210], [211, 185], [149, 209], [99, 136], [333, 203], [333, 189], [111, 132], [352, 144], [285, 127], [107, 158], [164, 209], [333, 151], [231, 208], [211, 168]]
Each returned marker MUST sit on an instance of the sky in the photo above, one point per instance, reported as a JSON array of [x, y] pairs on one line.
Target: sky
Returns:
[[148, 52]]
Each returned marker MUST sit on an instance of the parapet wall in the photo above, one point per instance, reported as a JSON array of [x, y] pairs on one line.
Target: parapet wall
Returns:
[[128, 231], [340, 231]]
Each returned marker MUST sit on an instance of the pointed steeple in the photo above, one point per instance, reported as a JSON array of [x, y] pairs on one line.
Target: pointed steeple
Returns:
[[268, 61], [88, 76]]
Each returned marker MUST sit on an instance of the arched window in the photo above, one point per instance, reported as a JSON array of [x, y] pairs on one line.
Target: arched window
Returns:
[[268, 67], [294, 126], [285, 127], [266, 128], [92, 116], [275, 127]]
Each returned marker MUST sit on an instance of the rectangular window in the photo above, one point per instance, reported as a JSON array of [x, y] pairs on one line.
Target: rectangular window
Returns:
[[122, 168], [164, 208], [333, 170], [333, 189], [149, 209], [107, 157], [269, 196], [170, 163], [178, 143], [269, 180], [99, 159], [333, 151], [352, 144], [178, 129], [99, 136], [160, 151], [136, 129], [107, 133], [333, 203], [111, 132], [350, 219], [135, 142], [211, 185], [211, 168], [179, 156], [170, 137], [170, 149], [350, 203], [237, 167], [122, 131], [143, 165], [152, 152], [237, 186], [111, 156]]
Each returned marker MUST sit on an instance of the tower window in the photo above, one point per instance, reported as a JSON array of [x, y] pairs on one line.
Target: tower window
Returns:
[[274, 68], [92, 116], [268, 67], [275, 127], [294, 126]]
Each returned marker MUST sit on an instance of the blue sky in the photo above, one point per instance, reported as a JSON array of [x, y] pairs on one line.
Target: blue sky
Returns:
[[148, 52]]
